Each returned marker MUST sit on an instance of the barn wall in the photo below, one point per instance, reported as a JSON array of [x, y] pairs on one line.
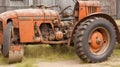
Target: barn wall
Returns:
[[6, 5], [2, 3], [118, 8], [62, 3], [108, 6]]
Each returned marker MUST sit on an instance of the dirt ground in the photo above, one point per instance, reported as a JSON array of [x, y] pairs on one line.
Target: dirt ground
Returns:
[[112, 62]]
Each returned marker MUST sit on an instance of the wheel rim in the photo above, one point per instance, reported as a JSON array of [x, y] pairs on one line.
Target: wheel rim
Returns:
[[99, 41]]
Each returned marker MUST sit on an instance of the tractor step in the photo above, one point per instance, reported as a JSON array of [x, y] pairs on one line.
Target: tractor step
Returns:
[[15, 54]]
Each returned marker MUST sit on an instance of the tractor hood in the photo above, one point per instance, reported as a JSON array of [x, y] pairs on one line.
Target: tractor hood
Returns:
[[35, 12], [29, 13]]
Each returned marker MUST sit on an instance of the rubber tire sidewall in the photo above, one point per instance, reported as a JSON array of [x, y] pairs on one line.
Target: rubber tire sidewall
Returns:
[[109, 27], [6, 40]]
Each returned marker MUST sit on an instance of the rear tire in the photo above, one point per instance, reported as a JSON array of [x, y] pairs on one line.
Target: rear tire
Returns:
[[6, 41], [11, 50], [94, 40]]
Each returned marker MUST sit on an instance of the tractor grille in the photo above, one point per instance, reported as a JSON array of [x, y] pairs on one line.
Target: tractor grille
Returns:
[[91, 9]]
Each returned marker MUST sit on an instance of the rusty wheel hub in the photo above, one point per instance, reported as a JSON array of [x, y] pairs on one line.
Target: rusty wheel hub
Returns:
[[98, 41]]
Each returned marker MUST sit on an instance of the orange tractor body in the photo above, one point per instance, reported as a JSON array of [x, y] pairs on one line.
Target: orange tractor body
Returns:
[[44, 26], [26, 19]]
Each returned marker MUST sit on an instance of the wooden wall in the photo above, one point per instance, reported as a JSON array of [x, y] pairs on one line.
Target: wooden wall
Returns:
[[108, 6], [118, 8]]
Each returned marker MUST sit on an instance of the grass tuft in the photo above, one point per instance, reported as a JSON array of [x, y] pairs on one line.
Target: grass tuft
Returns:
[[3, 60], [36, 53], [49, 53], [116, 53]]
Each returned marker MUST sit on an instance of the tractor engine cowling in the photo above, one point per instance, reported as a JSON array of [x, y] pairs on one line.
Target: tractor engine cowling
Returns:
[[61, 32], [44, 21]]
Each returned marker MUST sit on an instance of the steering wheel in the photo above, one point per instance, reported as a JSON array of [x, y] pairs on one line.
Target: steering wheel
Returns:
[[65, 14]]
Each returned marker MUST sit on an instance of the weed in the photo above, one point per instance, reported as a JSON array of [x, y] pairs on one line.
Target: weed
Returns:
[[49, 53]]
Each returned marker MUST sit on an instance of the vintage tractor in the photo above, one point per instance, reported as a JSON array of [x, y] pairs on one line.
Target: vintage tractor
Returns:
[[91, 32]]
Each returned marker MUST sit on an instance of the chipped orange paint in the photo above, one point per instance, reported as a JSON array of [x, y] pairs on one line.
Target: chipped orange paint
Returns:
[[26, 19], [16, 47], [96, 41], [84, 8]]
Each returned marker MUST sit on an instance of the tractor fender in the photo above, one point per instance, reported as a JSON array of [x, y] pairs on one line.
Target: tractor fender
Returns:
[[98, 14]]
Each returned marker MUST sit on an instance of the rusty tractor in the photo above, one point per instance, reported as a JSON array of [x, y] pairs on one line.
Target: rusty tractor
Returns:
[[91, 32]]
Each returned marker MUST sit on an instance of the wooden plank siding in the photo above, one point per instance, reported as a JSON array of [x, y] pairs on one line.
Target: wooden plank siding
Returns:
[[118, 8], [108, 6]]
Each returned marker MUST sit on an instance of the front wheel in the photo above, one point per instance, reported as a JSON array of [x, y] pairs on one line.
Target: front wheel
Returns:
[[95, 40], [11, 50]]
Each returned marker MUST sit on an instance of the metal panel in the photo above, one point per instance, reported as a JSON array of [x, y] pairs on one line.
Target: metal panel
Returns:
[[26, 30]]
